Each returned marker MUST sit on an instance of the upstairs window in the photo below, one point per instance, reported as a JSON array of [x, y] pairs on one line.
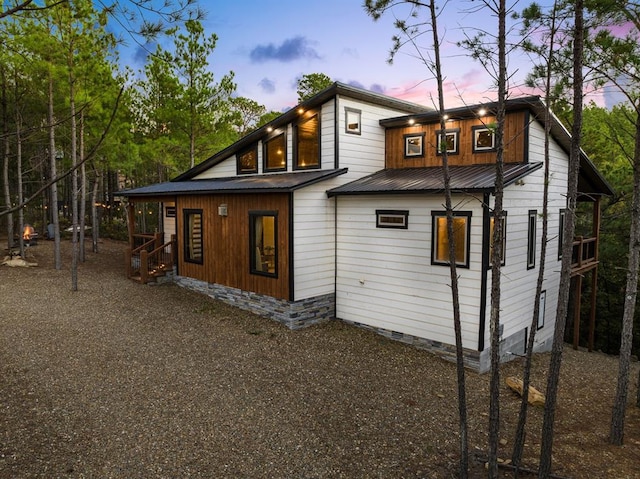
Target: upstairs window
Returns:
[[193, 244], [484, 139], [353, 119], [451, 142], [563, 212], [440, 238], [248, 160], [263, 241], [275, 153], [307, 142]]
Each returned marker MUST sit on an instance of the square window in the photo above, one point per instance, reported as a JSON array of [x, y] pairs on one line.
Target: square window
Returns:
[[193, 244], [352, 121], [484, 139], [307, 142], [247, 160], [263, 250], [392, 219], [531, 239], [170, 211], [275, 153], [440, 238], [451, 141], [414, 145]]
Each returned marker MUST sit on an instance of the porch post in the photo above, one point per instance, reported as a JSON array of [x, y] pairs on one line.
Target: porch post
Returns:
[[131, 218], [576, 312]]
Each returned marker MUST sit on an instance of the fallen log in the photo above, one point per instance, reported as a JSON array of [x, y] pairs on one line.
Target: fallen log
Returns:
[[535, 398]]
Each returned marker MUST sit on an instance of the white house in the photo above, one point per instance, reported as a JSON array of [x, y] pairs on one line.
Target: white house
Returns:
[[335, 210]]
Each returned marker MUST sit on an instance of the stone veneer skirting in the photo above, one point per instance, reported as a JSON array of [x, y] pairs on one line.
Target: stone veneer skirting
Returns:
[[293, 314], [306, 312]]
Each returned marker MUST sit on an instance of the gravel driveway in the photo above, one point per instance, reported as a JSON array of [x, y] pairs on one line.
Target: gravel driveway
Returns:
[[122, 380]]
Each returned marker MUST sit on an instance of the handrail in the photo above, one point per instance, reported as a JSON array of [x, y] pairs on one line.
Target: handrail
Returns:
[[150, 262], [584, 252]]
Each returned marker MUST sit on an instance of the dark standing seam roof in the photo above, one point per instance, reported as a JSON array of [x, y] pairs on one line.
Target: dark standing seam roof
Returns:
[[272, 183], [478, 178]]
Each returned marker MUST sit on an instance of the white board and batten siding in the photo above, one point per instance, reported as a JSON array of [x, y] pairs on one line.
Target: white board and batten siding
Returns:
[[314, 214], [518, 282], [385, 278], [168, 222]]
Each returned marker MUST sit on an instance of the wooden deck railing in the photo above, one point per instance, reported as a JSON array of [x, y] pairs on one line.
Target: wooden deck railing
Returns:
[[585, 254], [151, 258]]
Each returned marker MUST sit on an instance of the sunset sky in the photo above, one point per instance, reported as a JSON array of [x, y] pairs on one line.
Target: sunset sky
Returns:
[[269, 44]]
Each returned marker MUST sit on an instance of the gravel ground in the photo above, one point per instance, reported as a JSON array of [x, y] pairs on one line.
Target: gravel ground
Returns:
[[122, 380]]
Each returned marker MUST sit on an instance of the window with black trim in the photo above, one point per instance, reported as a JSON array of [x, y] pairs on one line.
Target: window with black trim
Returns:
[[352, 121], [392, 219], [263, 242], [170, 211], [531, 239], [307, 142], [563, 212], [413, 145], [484, 139], [275, 153], [492, 222], [247, 160], [440, 238], [193, 241], [451, 141]]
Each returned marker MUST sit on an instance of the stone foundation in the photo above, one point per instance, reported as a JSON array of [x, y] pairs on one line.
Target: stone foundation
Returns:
[[293, 314]]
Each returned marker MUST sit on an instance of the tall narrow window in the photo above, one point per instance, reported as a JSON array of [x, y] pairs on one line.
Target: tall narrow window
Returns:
[[503, 220], [531, 242], [193, 244], [275, 153], [248, 160], [563, 212], [440, 238], [263, 242], [307, 143]]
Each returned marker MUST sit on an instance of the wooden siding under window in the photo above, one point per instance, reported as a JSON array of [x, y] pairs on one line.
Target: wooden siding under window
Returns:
[[226, 242], [515, 133]]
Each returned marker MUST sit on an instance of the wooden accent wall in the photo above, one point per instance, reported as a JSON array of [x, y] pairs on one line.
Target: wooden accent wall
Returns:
[[515, 148], [226, 242]]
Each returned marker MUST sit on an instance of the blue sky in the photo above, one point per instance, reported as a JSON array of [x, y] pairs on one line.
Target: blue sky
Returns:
[[269, 44]]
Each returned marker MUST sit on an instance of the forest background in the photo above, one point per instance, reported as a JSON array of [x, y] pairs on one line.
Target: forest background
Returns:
[[68, 105]]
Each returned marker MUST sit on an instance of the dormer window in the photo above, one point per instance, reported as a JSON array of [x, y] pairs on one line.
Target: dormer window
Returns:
[[484, 139], [275, 153], [307, 142], [247, 160]]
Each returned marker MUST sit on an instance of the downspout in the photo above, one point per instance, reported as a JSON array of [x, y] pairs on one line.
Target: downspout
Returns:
[[485, 270]]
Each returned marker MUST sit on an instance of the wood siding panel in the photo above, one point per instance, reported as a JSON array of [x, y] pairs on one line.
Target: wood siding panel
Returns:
[[226, 242], [515, 132]]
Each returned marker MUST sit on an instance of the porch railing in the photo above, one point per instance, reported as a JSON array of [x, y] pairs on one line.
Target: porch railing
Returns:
[[150, 258], [584, 255]]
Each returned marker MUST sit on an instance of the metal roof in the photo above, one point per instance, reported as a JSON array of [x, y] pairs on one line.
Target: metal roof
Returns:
[[269, 183], [475, 178]]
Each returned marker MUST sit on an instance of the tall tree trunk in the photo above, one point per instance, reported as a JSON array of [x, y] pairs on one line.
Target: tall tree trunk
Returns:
[[95, 221], [53, 173], [6, 183], [74, 183], [555, 362], [518, 444], [83, 189], [20, 184], [616, 434], [496, 251], [457, 324]]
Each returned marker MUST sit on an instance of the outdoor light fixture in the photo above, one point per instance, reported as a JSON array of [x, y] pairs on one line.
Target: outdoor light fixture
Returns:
[[222, 210], [482, 112], [411, 121]]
